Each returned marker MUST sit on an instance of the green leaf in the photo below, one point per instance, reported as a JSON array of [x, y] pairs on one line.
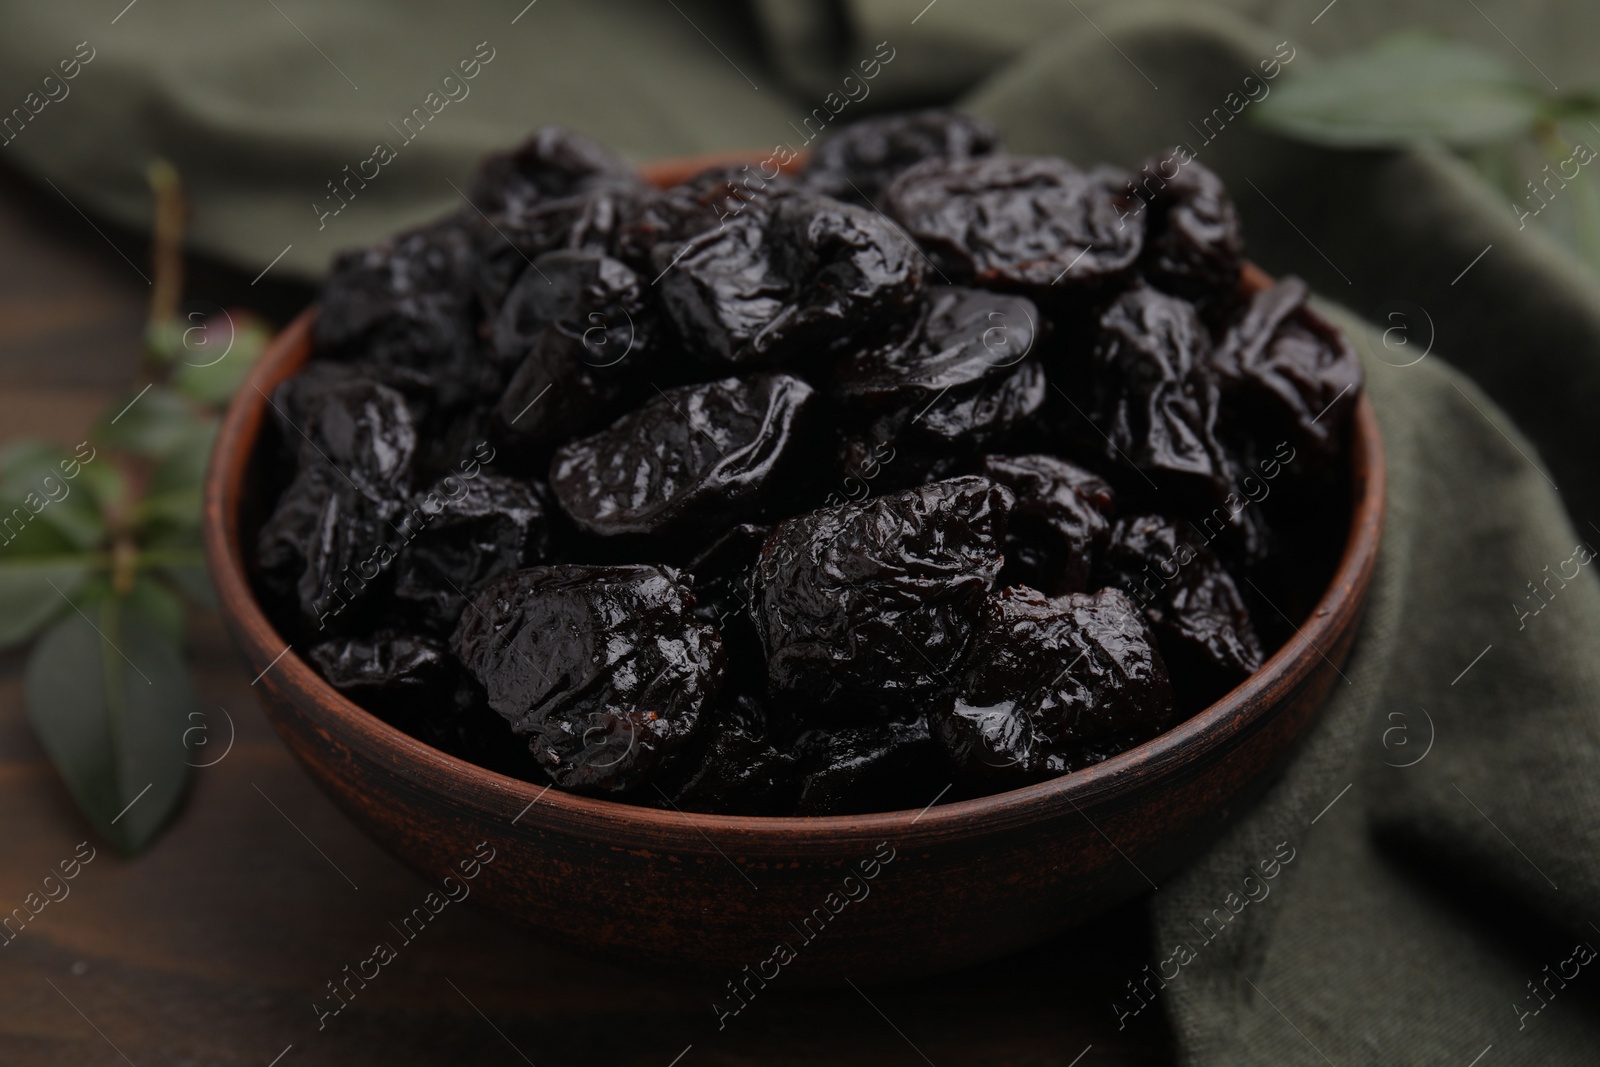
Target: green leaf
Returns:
[[110, 702], [159, 607], [42, 485], [1405, 89], [181, 560], [34, 590], [210, 373], [154, 425]]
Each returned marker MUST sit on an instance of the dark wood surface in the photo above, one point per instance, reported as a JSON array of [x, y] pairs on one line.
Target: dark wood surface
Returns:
[[212, 947]]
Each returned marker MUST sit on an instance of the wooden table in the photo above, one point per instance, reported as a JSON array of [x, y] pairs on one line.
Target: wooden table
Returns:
[[211, 947]]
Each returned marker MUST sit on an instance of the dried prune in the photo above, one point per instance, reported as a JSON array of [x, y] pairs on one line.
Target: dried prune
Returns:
[[1282, 370], [552, 164], [1193, 245], [319, 551], [723, 573], [1060, 524], [605, 669], [406, 302], [695, 457], [462, 534], [364, 430], [1154, 398], [416, 685], [579, 329], [808, 278], [965, 336], [1048, 684], [707, 201], [388, 668], [872, 602], [1015, 222], [741, 768], [1194, 607], [876, 766], [558, 189], [858, 163]]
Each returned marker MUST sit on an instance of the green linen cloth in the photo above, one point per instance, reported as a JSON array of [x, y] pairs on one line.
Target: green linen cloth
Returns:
[[1432, 913]]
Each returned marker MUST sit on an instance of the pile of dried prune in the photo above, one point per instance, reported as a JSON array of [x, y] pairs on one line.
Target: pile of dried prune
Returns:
[[921, 472]]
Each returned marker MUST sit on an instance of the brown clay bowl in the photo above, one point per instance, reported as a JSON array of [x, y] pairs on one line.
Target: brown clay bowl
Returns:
[[966, 881]]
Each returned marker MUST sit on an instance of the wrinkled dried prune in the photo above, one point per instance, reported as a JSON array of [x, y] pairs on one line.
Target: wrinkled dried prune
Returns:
[[808, 278], [724, 573], [1153, 396], [695, 457], [965, 336], [406, 302], [462, 534], [707, 201], [1282, 370], [1193, 245], [878, 766], [990, 415], [579, 329], [415, 684], [1058, 528], [1015, 222], [1193, 605], [553, 163], [872, 602], [741, 768], [605, 669], [387, 669], [558, 189], [858, 163], [364, 430], [315, 550], [1046, 681], [507, 246]]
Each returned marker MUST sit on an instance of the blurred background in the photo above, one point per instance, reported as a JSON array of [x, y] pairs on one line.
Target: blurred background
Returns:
[[175, 176]]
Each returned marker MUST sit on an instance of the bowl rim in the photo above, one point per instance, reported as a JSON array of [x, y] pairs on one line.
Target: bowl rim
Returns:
[[1192, 740]]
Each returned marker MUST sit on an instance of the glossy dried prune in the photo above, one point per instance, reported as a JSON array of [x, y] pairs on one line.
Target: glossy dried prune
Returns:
[[605, 669], [858, 163], [707, 201], [872, 602], [1282, 371], [578, 329], [405, 302], [741, 768], [1058, 528], [387, 668], [695, 457], [552, 164], [1193, 245], [991, 415], [879, 766], [364, 430], [558, 189], [1047, 685], [964, 337], [1154, 398], [1194, 607], [463, 534], [416, 685], [317, 553], [1014, 222], [808, 278]]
